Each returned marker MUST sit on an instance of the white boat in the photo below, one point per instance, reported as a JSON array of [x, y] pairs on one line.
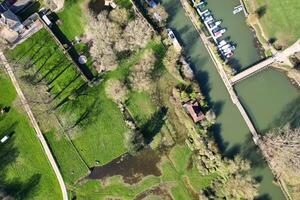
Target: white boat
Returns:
[[209, 18], [222, 43], [225, 46], [173, 39], [237, 9], [213, 25]]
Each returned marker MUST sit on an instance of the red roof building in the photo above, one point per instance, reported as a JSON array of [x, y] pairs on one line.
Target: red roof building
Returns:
[[193, 109]]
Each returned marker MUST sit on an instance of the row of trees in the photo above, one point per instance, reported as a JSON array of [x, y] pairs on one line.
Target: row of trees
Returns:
[[115, 35]]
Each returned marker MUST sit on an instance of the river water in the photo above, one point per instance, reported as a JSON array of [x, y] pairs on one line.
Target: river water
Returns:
[[237, 31], [264, 95]]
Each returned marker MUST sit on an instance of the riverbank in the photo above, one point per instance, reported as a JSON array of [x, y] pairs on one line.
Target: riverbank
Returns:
[[225, 128], [291, 73], [256, 137]]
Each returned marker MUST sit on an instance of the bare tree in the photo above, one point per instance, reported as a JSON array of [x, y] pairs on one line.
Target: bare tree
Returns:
[[135, 36], [159, 13], [236, 187], [140, 75], [282, 148], [104, 34], [116, 90], [119, 16]]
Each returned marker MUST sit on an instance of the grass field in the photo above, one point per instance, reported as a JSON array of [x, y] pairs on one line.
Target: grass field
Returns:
[[92, 138], [280, 19], [72, 18], [25, 172]]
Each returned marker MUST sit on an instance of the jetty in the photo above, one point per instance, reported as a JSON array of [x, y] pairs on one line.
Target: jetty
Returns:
[[279, 57]]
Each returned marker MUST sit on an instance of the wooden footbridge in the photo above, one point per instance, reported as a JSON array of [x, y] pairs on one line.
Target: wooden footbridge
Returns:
[[280, 57]]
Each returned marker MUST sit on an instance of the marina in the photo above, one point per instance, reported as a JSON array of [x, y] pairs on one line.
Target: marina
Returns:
[[225, 47]]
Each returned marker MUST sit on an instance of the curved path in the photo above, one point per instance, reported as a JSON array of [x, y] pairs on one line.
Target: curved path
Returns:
[[36, 127]]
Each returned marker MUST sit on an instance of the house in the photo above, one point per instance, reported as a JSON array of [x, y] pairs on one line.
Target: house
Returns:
[[193, 109], [10, 20]]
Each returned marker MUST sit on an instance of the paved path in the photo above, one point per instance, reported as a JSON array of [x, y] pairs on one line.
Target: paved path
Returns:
[[279, 57], [34, 123]]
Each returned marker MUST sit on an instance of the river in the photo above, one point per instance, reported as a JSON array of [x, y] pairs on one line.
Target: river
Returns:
[[264, 95]]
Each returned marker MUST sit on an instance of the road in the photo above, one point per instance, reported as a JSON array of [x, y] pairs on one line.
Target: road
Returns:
[[36, 127]]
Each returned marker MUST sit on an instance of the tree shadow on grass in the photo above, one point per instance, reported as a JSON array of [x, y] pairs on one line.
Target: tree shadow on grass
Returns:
[[154, 124], [8, 155]]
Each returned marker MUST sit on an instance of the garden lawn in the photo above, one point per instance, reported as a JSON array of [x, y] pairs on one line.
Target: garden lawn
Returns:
[[141, 107], [281, 19], [72, 18], [41, 55], [25, 171]]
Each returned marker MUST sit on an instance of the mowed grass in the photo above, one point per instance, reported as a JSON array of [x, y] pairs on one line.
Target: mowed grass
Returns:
[[25, 172], [281, 19], [48, 64], [140, 106], [174, 176], [100, 137], [72, 19], [68, 160]]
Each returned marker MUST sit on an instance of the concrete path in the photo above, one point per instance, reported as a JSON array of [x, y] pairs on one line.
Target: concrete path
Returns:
[[34, 123]]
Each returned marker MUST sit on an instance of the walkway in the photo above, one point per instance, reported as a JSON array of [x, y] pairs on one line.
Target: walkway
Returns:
[[34, 123], [280, 57], [223, 75]]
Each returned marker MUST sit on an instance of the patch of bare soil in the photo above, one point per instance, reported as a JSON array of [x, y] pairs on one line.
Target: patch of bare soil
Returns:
[[132, 168], [160, 190]]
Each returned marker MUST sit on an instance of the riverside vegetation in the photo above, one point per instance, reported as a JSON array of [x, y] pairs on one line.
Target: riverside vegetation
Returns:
[[141, 77]]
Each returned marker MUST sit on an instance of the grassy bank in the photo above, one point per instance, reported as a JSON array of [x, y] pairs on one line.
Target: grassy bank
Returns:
[[25, 171], [276, 17]]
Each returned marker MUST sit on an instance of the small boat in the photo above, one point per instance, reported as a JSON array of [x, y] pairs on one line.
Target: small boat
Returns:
[[208, 19], [201, 5], [151, 3], [213, 25], [237, 9], [225, 46], [206, 13], [173, 39], [219, 33], [222, 43]]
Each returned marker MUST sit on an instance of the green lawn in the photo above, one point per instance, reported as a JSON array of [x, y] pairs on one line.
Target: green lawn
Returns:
[[281, 19], [140, 106], [69, 162], [72, 18], [25, 172]]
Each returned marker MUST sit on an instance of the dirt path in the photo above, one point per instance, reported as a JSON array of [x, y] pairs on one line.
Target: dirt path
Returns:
[[35, 126]]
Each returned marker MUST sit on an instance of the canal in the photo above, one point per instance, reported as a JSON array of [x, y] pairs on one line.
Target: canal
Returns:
[[264, 95]]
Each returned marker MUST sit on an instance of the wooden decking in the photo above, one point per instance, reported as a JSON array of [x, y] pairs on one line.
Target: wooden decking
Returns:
[[252, 70]]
